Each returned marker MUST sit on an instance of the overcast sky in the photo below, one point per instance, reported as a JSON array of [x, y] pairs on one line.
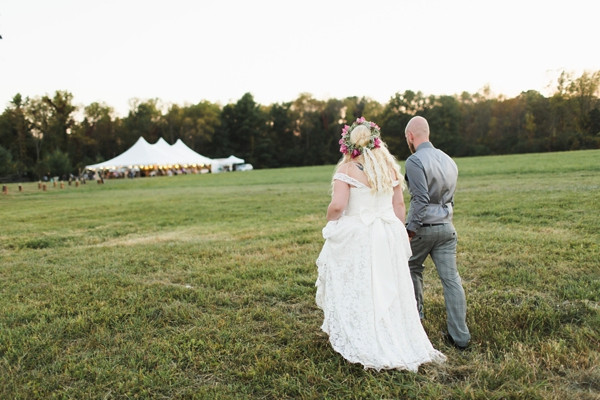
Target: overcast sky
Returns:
[[184, 52]]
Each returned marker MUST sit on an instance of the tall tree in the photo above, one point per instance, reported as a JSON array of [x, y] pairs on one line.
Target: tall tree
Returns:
[[584, 90], [594, 125], [282, 124], [195, 125], [409, 102], [60, 120], [444, 122], [6, 163], [144, 120], [242, 125], [308, 111], [14, 133], [537, 124], [476, 112], [93, 139], [38, 114]]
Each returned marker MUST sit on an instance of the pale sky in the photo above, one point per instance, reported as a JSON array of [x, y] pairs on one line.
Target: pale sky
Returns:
[[185, 51]]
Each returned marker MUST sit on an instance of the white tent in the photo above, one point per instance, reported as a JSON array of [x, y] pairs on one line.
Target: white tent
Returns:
[[190, 155], [234, 160], [226, 164], [144, 154], [141, 153], [180, 154], [163, 146]]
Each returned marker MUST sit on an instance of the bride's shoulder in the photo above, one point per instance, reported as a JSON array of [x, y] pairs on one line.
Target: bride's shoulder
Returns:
[[350, 174], [353, 169], [344, 169]]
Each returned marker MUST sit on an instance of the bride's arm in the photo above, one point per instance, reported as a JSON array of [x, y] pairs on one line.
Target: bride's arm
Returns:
[[339, 200], [398, 203]]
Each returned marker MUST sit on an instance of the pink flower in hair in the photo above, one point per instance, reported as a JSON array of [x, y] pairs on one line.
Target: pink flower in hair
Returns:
[[345, 130]]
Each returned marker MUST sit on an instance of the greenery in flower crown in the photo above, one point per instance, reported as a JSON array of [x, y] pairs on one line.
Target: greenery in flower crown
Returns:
[[349, 148]]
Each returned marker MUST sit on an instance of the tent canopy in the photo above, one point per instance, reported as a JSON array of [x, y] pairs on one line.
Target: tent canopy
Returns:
[[189, 154], [234, 160], [144, 154], [226, 164]]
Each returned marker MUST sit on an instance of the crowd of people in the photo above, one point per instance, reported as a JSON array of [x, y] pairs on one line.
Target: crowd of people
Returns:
[[122, 173]]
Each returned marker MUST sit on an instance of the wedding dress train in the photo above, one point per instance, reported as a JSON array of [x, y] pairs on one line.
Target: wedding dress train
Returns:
[[364, 286]]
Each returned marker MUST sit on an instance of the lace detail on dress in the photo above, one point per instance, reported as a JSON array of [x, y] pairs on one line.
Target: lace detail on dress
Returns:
[[349, 180]]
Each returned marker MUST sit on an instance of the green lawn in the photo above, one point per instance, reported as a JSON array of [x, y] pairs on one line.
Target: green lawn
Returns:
[[203, 287]]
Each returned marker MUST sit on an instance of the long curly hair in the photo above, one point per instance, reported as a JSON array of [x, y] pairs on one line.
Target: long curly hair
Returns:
[[379, 165]]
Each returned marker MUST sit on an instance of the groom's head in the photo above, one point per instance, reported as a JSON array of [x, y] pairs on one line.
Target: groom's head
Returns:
[[416, 132]]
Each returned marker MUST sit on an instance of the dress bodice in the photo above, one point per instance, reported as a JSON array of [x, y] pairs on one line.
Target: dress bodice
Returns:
[[364, 200]]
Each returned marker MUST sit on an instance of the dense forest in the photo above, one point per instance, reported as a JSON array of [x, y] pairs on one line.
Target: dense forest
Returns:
[[51, 135]]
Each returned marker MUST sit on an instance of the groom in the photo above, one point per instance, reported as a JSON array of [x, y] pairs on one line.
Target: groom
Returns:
[[431, 176]]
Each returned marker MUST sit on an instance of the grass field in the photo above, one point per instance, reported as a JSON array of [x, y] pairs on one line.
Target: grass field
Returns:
[[203, 287]]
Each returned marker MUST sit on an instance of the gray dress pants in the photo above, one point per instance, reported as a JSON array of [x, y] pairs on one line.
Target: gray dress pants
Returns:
[[439, 241]]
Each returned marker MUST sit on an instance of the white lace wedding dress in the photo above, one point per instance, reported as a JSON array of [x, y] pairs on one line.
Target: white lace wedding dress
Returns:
[[364, 286]]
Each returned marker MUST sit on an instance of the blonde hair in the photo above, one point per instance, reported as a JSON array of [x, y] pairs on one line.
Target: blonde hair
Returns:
[[379, 165]]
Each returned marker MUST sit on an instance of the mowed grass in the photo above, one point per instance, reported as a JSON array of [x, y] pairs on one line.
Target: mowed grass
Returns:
[[202, 287]]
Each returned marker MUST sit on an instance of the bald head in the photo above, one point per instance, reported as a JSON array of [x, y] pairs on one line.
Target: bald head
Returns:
[[419, 127], [416, 132]]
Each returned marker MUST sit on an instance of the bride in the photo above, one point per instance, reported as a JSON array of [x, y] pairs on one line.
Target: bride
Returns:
[[364, 286]]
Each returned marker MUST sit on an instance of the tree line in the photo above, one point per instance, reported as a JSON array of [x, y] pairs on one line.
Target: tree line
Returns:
[[49, 135]]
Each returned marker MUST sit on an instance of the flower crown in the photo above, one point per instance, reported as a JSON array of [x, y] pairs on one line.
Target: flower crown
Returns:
[[351, 148]]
